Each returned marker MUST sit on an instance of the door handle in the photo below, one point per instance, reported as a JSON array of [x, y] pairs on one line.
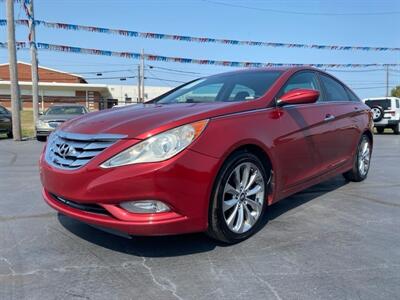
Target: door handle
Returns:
[[329, 117]]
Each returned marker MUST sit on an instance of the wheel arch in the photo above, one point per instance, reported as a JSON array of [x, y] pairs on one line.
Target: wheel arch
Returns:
[[262, 153], [370, 135]]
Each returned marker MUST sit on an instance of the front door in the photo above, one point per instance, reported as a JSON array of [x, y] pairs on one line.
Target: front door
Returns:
[[301, 127]]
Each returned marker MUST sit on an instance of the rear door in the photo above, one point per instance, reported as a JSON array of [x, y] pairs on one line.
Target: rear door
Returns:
[[338, 147], [303, 127]]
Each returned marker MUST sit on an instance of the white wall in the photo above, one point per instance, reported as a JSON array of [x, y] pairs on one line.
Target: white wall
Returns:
[[121, 92]]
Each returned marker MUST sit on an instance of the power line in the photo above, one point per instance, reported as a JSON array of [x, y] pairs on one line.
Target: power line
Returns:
[[174, 70], [162, 79], [101, 71], [176, 74], [278, 11]]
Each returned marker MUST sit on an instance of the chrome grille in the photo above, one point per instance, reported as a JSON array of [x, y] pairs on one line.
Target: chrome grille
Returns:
[[71, 151]]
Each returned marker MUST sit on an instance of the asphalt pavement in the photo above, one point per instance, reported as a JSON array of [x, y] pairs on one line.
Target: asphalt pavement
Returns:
[[336, 240]]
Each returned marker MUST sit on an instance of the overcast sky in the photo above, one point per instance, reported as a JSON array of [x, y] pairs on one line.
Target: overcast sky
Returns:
[[355, 22]]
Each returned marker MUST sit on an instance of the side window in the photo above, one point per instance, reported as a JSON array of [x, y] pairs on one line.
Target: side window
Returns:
[[241, 93], [334, 90], [302, 80], [397, 103], [352, 96]]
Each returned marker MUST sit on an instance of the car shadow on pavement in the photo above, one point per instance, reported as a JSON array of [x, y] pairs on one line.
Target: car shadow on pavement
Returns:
[[305, 196], [169, 246]]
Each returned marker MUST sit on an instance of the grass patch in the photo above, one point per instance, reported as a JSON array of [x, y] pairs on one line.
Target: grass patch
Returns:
[[28, 128]]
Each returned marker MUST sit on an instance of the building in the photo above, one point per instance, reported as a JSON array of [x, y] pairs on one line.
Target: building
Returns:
[[126, 94], [57, 86]]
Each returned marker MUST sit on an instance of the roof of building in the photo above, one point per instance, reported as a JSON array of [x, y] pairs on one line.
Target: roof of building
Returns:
[[48, 69]]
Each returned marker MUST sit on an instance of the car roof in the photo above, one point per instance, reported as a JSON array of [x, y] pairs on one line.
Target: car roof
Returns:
[[381, 98], [72, 104], [268, 69]]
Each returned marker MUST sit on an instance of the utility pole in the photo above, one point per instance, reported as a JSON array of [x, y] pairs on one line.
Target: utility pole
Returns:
[[12, 56], [34, 62], [142, 74], [387, 81], [139, 85]]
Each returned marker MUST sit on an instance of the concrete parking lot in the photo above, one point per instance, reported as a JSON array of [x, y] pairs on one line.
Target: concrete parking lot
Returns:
[[337, 240]]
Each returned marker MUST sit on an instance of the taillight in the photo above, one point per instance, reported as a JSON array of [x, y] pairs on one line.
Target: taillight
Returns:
[[391, 112]]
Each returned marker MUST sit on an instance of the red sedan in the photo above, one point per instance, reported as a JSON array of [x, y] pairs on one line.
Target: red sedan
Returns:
[[210, 155]]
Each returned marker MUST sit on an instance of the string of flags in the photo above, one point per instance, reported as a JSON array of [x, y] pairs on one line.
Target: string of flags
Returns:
[[174, 37], [152, 57]]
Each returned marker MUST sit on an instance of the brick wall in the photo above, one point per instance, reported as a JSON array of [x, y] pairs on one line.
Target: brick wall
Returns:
[[45, 75], [50, 100]]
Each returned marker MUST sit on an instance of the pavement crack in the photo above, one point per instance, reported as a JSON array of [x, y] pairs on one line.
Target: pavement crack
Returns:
[[37, 216], [171, 287], [268, 285], [10, 265], [75, 295]]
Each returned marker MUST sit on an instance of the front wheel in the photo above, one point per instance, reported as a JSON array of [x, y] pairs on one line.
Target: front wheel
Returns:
[[362, 161], [41, 138], [238, 202]]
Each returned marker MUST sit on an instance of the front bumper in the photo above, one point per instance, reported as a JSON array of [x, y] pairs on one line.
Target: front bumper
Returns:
[[44, 131], [184, 183]]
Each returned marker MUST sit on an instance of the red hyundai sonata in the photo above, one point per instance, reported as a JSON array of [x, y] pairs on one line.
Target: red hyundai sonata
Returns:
[[210, 155]]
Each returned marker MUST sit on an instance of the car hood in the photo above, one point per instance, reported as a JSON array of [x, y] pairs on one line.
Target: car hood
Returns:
[[140, 121], [48, 118]]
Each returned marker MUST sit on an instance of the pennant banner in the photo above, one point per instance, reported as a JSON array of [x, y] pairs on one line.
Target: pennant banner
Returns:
[[151, 57], [163, 36]]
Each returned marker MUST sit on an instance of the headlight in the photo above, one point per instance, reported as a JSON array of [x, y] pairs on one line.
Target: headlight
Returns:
[[159, 147], [40, 123]]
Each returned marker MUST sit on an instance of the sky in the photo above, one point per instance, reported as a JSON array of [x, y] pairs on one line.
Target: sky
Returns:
[[340, 22]]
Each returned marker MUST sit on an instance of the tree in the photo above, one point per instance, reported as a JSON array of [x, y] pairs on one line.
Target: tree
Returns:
[[395, 91]]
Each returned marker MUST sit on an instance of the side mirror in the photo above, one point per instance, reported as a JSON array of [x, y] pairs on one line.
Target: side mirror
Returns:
[[298, 96], [40, 113]]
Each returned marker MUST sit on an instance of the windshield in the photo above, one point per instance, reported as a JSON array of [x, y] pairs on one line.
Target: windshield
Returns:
[[243, 86], [66, 110]]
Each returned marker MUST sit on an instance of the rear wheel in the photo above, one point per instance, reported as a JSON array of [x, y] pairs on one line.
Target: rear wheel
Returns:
[[380, 130], [396, 129], [362, 161], [10, 135], [238, 202]]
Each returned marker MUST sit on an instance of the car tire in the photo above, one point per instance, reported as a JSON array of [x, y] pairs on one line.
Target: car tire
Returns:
[[362, 161], [377, 113], [396, 129], [41, 138], [236, 212], [380, 130], [10, 135]]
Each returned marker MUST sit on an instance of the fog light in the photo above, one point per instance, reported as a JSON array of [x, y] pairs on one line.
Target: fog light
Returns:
[[145, 206]]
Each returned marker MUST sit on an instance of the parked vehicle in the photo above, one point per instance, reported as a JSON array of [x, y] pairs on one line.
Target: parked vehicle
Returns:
[[385, 113], [210, 155], [56, 115], [5, 121]]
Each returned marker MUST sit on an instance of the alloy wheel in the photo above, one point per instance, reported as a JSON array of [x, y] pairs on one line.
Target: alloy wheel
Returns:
[[364, 157], [243, 197]]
